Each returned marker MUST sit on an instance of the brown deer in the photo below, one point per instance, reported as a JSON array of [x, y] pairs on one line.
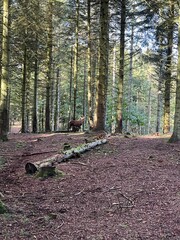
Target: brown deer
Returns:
[[76, 124]]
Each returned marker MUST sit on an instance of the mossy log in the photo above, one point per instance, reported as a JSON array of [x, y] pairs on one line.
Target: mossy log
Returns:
[[46, 171], [32, 168]]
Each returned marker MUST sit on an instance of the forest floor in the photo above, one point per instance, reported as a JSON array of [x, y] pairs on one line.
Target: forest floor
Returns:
[[126, 189]]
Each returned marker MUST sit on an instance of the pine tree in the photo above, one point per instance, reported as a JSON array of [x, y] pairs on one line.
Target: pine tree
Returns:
[[119, 118], [102, 81], [4, 81], [176, 131]]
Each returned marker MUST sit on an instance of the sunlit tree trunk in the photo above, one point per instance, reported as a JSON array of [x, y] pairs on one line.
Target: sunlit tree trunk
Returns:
[[70, 86], [76, 49], [113, 125], [90, 107], [176, 131], [84, 91], [161, 66], [168, 74], [49, 66], [159, 106], [119, 118], [159, 98], [102, 81], [167, 95], [4, 81]]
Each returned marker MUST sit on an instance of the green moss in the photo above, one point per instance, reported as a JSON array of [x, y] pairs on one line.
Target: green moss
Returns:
[[3, 208], [2, 161], [59, 174], [45, 174], [20, 145]]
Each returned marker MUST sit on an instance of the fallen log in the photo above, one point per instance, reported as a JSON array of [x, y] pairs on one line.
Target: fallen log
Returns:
[[49, 163]]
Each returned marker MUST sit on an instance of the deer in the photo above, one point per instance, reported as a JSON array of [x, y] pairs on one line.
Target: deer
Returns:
[[76, 124]]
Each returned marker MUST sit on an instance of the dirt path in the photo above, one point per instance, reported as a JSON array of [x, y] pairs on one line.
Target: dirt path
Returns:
[[127, 189]]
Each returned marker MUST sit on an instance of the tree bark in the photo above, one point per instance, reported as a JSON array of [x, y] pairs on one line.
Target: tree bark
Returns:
[[159, 97], [113, 124], [168, 74], [4, 81], [35, 120], [84, 93], [130, 81], [49, 65], [57, 101], [90, 107], [70, 88], [102, 81], [149, 106], [119, 118], [76, 49], [176, 131]]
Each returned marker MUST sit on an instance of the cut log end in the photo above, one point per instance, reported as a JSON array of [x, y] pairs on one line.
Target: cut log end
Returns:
[[30, 168]]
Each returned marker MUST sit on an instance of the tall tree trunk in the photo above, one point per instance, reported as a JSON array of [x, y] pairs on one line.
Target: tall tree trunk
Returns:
[[130, 78], [70, 87], [34, 117], [53, 99], [76, 49], [28, 99], [84, 92], [42, 110], [159, 97], [167, 93], [119, 118], [166, 124], [4, 81], [102, 81], [57, 101], [113, 125], [149, 107], [49, 65], [159, 106], [24, 127], [90, 107], [161, 66], [176, 131]]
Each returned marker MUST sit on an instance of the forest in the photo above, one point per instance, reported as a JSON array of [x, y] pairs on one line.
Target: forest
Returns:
[[113, 62], [89, 119]]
